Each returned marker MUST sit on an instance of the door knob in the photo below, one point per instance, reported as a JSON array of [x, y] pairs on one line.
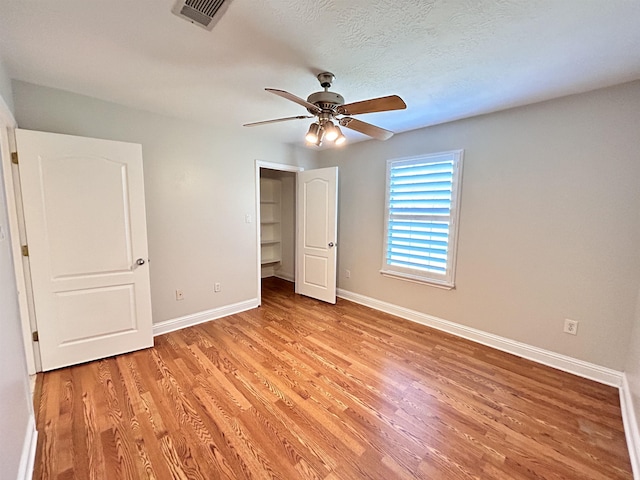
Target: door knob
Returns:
[[331, 244], [140, 261]]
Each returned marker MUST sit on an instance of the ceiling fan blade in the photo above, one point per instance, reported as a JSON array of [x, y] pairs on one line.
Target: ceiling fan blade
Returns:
[[276, 120], [381, 104], [290, 96], [366, 128]]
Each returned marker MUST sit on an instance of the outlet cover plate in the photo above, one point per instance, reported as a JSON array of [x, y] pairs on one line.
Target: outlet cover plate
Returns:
[[570, 326]]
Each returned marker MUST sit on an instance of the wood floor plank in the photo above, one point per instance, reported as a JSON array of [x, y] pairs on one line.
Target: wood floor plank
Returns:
[[299, 389]]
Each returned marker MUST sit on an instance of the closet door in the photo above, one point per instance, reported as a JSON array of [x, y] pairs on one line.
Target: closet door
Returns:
[[316, 249]]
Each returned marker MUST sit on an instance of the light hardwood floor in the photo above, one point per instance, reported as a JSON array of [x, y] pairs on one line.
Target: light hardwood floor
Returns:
[[299, 389]]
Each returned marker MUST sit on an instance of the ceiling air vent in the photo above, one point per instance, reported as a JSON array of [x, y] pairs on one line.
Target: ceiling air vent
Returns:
[[204, 13]]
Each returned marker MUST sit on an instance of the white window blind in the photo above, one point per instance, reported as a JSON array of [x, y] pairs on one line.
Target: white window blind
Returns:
[[421, 218]]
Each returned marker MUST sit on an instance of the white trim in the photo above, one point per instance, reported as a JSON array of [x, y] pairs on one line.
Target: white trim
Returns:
[[631, 427], [179, 323], [32, 384], [28, 456], [7, 145], [417, 279], [572, 365], [289, 277], [284, 167], [267, 271]]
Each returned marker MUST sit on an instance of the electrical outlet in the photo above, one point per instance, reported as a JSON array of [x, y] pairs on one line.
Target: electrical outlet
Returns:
[[179, 294], [217, 287], [347, 274], [570, 326]]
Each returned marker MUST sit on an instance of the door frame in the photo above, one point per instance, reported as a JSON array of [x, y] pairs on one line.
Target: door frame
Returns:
[[16, 234], [283, 167]]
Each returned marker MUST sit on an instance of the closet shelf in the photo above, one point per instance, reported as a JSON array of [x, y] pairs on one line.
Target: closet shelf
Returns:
[[268, 261], [270, 212]]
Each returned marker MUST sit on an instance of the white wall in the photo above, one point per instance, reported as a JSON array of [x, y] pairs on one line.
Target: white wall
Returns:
[[550, 222], [6, 92], [16, 412], [199, 185]]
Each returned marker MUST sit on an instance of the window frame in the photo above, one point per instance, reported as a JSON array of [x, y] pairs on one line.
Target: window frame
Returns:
[[447, 280]]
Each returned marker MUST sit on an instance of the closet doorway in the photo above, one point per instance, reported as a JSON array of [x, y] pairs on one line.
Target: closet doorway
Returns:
[[276, 218]]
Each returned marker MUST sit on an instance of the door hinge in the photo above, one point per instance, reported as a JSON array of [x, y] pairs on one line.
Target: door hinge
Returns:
[[35, 337], [14, 157], [25, 250]]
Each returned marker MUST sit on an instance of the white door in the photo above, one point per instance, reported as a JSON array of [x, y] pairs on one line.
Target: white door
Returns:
[[317, 204], [86, 232]]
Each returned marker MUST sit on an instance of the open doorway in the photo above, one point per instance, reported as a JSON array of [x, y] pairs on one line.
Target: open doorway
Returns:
[[276, 222]]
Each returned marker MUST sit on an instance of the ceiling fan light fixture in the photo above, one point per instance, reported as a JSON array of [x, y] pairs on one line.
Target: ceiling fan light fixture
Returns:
[[313, 135], [331, 131], [340, 139]]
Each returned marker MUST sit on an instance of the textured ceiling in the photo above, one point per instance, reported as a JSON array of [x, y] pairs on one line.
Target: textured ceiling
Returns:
[[447, 59]]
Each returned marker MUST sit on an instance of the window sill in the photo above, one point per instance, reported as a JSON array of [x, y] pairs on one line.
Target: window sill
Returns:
[[407, 277]]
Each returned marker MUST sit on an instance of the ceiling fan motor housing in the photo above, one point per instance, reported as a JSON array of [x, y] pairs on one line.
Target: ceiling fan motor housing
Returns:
[[327, 101]]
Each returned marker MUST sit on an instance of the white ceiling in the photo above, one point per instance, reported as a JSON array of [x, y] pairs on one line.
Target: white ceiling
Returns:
[[446, 59]]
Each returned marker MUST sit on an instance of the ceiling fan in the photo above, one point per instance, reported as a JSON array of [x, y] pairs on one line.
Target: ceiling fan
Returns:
[[329, 107]]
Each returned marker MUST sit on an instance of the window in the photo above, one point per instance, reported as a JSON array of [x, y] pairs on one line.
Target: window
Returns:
[[421, 218]]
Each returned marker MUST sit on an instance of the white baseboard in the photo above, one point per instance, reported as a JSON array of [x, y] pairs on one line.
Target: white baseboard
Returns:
[[572, 365], [267, 271], [290, 277], [631, 427], [201, 317], [28, 456]]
